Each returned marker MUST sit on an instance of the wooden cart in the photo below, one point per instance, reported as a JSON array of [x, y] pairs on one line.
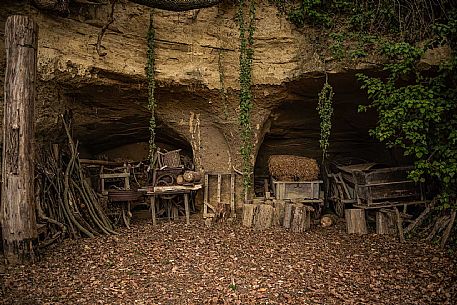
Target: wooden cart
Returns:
[[370, 185]]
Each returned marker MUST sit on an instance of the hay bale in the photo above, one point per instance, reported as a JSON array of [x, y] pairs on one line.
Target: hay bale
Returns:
[[293, 168]]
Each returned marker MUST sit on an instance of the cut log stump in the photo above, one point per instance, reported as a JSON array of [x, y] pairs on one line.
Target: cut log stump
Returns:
[[278, 217], [355, 221], [263, 217], [385, 223], [248, 215], [301, 218]]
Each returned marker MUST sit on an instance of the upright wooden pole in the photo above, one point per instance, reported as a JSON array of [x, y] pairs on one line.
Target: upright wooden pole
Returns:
[[355, 221], [17, 212]]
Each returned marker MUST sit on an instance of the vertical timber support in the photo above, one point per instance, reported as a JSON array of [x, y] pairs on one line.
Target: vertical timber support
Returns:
[[17, 213], [355, 221]]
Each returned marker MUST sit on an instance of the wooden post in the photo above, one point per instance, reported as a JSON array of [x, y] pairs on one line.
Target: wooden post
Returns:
[[205, 197], [355, 221], [385, 223], [232, 196], [17, 213], [186, 207], [298, 223], [399, 225], [153, 209]]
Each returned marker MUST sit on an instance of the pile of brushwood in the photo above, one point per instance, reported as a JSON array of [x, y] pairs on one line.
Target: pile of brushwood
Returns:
[[65, 201]]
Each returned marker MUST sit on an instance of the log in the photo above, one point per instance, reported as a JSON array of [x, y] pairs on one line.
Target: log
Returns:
[[287, 215], [328, 220], [385, 223], [17, 213], [263, 218], [301, 219], [278, 217], [191, 176], [248, 214], [355, 221]]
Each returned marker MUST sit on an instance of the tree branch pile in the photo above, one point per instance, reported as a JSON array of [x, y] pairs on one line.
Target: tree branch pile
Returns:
[[434, 225], [65, 200]]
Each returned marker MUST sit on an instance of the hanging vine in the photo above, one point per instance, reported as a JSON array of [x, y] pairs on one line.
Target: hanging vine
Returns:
[[325, 110], [151, 88], [246, 54]]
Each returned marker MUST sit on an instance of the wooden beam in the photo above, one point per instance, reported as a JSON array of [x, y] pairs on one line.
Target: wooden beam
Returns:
[[17, 213]]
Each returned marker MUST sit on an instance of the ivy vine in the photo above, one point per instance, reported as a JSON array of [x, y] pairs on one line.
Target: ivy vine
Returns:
[[150, 64], [246, 54], [325, 110]]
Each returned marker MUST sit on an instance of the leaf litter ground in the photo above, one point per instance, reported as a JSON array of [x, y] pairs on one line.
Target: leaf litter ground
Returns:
[[172, 263]]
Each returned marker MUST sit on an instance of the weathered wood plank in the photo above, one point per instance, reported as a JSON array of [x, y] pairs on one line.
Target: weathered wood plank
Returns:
[[17, 213]]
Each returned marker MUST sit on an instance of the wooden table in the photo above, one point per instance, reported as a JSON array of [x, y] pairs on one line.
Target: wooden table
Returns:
[[171, 190]]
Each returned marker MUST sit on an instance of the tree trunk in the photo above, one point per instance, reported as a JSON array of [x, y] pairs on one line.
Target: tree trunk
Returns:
[[18, 206], [355, 221]]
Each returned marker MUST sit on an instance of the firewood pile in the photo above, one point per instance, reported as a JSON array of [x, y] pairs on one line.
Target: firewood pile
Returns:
[[65, 200], [293, 168]]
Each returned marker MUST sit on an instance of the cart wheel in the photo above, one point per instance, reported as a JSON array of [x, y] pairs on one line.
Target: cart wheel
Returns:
[[166, 180], [339, 207]]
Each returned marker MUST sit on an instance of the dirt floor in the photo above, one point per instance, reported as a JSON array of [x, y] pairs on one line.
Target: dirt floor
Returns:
[[227, 264]]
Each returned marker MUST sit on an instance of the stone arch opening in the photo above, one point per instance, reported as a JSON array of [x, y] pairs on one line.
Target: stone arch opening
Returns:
[[294, 127]]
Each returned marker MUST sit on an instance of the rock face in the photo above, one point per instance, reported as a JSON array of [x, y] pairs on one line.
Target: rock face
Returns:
[[107, 95]]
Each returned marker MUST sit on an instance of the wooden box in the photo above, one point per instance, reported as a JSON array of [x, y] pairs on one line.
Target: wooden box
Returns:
[[296, 189]]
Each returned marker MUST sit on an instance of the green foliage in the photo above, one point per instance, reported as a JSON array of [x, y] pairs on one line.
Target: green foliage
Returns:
[[246, 54], [410, 20], [419, 114], [337, 45], [325, 110], [310, 11], [151, 87]]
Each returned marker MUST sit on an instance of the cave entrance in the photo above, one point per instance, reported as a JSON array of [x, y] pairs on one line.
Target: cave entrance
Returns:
[[294, 127]]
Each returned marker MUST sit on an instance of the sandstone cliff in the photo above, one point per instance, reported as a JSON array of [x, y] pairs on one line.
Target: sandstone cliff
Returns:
[[107, 95]]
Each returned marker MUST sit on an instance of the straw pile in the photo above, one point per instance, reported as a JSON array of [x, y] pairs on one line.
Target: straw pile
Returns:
[[293, 168]]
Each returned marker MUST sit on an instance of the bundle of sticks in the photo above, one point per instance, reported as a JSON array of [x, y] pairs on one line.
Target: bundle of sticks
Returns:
[[65, 199]]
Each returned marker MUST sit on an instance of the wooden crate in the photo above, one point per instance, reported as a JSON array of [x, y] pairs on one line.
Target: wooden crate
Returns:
[[296, 189]]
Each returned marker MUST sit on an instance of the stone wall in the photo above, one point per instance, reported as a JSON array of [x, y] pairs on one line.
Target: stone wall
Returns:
[[107, 95]]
